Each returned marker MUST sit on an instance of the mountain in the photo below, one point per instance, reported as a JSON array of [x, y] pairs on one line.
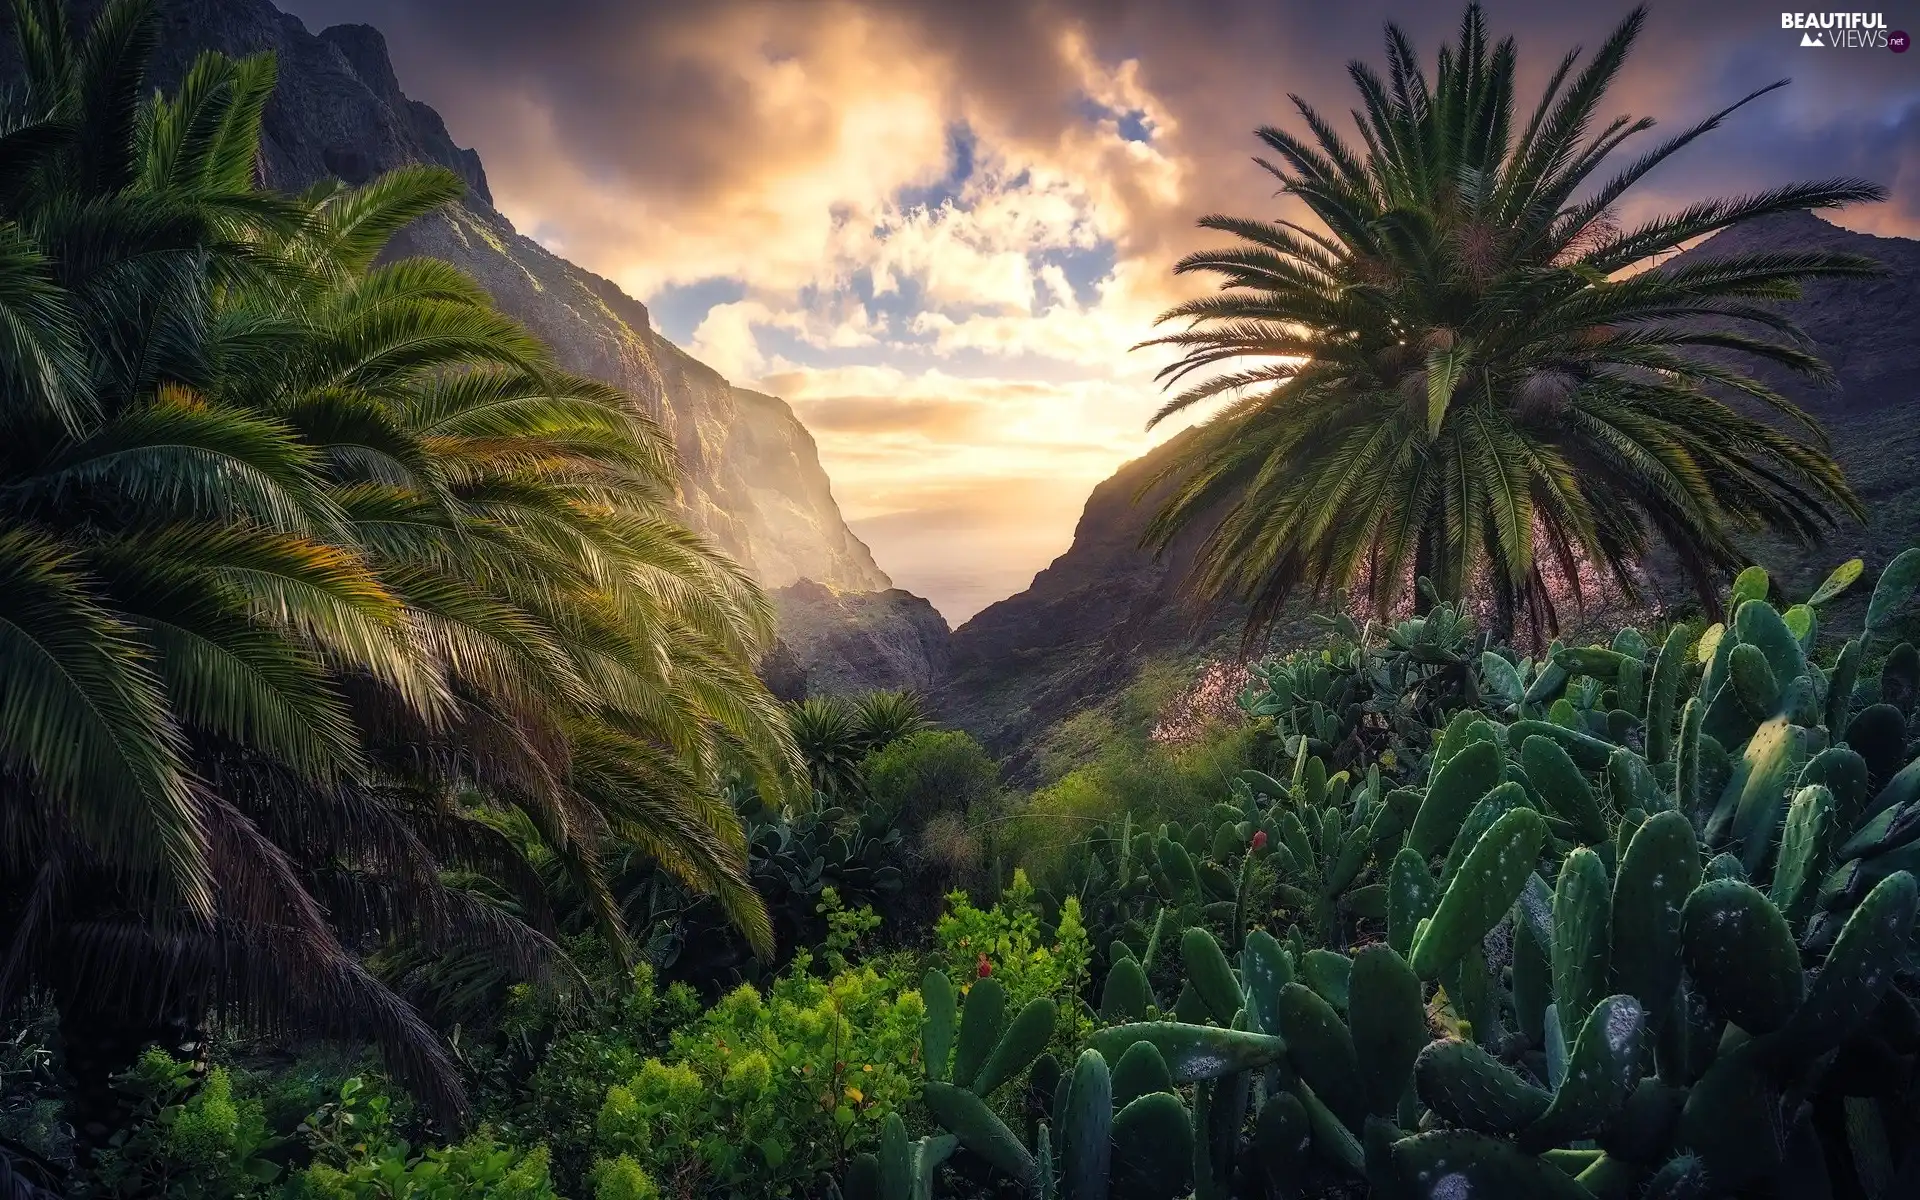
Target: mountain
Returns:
[[845, 643], [1080, 631], [750, 474], [1868, 331]]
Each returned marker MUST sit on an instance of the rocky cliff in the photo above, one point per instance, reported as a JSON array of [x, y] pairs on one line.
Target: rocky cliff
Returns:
[[1079, 632], [750, 475], [844, 643]]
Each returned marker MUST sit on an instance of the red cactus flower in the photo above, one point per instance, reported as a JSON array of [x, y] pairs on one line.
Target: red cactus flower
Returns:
[[1259, 840], [984, 968]]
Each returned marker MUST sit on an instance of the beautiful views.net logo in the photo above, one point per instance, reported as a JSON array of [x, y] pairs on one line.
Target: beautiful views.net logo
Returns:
[[1846, 31]]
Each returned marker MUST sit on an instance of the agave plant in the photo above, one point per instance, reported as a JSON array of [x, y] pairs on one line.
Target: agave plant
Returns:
[[883, 718], [832, 742], [1468, 374]]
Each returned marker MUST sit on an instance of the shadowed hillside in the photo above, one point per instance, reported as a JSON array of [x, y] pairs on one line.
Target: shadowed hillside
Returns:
[[1077, 634]]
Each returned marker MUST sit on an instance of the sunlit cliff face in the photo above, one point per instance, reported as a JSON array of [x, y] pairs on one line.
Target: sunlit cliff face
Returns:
[[937, 228]]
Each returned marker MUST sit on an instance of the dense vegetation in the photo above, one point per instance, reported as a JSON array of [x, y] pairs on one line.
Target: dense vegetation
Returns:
[[389, 809], [329, 608]]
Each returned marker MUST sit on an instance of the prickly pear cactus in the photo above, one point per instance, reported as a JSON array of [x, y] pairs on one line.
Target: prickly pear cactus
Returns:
[[1636, 920]]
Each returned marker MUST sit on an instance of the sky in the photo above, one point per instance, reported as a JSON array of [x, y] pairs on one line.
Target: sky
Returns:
[[938, 229]]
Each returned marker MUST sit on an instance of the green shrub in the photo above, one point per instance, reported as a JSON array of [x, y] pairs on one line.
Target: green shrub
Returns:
[[192, 1138], [1015, 946], [623, 1179], [929, 773], [770, 1091], [555, 1098], [359, 1156], [30, 1105], [1151, 781]]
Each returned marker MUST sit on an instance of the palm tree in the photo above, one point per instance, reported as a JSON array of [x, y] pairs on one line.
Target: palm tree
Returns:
[[1469, 373], [599, 651], [314, 575]]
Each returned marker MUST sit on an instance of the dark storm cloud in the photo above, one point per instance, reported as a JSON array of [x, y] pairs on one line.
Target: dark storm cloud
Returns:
[[641, 95]]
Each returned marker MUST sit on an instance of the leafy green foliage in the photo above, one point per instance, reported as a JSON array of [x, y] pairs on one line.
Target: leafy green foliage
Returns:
[[827, 732], [1016, 947], [357, 1156], [194, 1139], [315, 573], [770, 1090], [1467, 377]]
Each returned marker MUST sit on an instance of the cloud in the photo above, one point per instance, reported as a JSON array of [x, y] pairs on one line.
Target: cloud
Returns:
[[943, 226], [943, 419]]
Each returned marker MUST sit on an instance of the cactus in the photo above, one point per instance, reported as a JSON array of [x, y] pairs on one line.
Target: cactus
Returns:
[[1892, 593], [1456, 788], [936, 1031], [1139, 1072], [968, 1118], [1582, 938], [1703, 938], [1281, 1136], [1757, 794], [1210, 976], [1265, 968], [1326, 849], [901, 1170], [1086, 1147], [1411, 897], [1858, 969], [1152, 1148], [1386, 1023], [1466, 1086], [1741, 954], [1495, 804], [1669, 669], [1482, 890], [1601, 1073], [1806, 852], [1659, 870], [1024, 1040], [1194, 1052], [1444, 1165], [1127, 994], [981, 1023], [1751, 584], [1320, 1048], [1563, 786]]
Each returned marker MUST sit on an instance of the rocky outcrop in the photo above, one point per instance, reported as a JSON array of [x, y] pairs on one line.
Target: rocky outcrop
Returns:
[[750, 476], [846, 643], [1079, 632], [1076, 635]]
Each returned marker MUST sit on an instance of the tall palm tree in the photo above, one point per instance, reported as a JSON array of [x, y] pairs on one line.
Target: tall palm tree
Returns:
[[312, 571], [599, 652], [1467, 372]]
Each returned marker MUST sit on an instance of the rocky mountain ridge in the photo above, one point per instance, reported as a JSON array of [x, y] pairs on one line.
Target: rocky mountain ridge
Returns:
[[750, 473]]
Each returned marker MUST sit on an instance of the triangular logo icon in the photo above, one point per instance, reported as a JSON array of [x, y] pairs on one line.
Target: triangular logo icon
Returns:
[[1813, 39]]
